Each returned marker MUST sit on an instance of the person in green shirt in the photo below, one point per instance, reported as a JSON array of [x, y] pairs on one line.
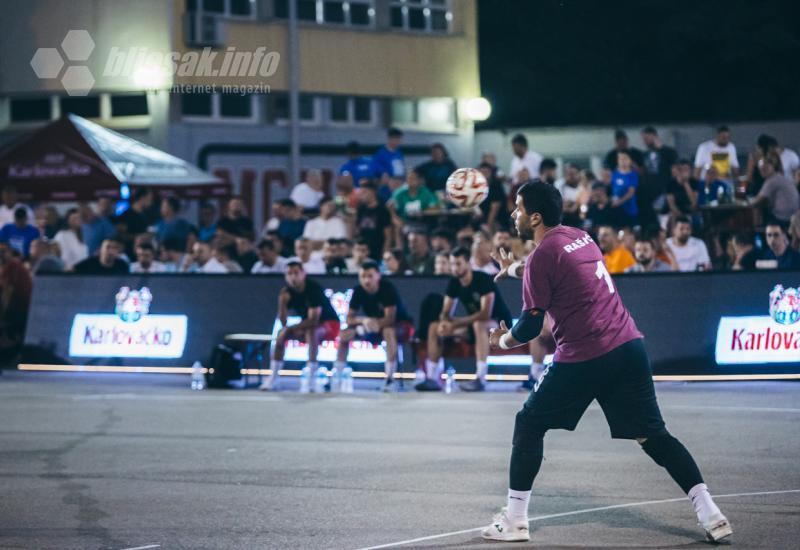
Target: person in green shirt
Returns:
[[413, 199]]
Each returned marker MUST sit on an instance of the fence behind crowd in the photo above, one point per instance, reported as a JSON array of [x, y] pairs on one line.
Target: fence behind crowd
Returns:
[[694, 324]]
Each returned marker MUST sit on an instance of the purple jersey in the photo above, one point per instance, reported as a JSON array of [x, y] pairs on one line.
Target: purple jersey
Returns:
[[566, 277]]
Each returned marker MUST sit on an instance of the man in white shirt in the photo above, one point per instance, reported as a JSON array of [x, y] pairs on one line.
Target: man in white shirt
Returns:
[[268, 259], [569, 187], [145, 260], [326, 226], [203, 260], [10, 204], [690, 253], [523, 158], [307, 195], [313, 264], [719, 152]]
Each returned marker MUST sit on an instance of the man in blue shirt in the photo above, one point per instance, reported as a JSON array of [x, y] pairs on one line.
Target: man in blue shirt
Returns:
[[624, 182], [389, 159], [779, 254], [170, 224], [97, 225], [20, 234], [358, 166], [712, 188]]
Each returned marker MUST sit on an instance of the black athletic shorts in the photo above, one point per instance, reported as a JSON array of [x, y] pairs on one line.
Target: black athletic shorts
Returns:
[[620, 380]]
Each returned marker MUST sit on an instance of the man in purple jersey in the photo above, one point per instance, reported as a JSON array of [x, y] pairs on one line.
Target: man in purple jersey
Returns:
[[599, 355]]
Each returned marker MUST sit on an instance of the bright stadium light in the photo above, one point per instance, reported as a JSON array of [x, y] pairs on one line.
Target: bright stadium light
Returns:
[[150, 77], [477, 108]]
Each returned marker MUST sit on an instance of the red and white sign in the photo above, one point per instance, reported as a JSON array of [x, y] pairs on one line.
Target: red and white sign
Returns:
[[755, 340]]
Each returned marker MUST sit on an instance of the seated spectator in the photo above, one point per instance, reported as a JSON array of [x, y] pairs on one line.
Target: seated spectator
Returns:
[[663, 252], [419, 258], [325, 226], [207, 226], [502, 240], [744, 252], [599, 212], [691, 253], [373, 221], [146, 260], [617, 257], [713, 189], [441, 241], [394, 263], [334, 263], [778, 194], [344, 248], [70, 240], [436, 171], [312, 263], [246, 255], [360, 254], [44, 258], [10, 204], [646, 260], [569, 187], [481, 255], [235, 221], [97, 225], [622, 145], [720, 153], [52, 223], [203, 259], [413, 199], [494, 210], [308, 194], [346, 197], [525, 159], [107, 261], [134, 220], [358, 166], [20, 234], [624, 182], [170, 225], [441, 263], [794, 231], [681, 190], [465, 236], [226, 255], [765, 145], [778, 255], [277, 241], [173, 256], [269, 261], [292, 226]]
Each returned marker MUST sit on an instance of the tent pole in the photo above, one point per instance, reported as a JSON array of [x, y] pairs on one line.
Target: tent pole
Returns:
[[294, 96]]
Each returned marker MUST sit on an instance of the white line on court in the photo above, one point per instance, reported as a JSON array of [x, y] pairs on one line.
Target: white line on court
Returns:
[[575, 513], [144, 547]]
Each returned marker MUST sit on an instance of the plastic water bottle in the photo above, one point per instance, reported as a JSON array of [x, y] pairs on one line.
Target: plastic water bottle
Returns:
[[198, 379], [305, 383], [347, 380], [321, 380], [449, 378]]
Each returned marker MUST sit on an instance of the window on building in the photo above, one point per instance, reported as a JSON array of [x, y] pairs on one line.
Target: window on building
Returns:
[[362, 109], [197, 105], [339, 109], [241, 8], [236, 105], [404, 111], [351, 110], [435, 114], [308, 107], [87, 107], [129, 105], [229, 8], [421, 15], [333, 12], [30, 110]]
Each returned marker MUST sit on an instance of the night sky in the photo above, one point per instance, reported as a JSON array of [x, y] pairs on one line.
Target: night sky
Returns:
[[567, 62]]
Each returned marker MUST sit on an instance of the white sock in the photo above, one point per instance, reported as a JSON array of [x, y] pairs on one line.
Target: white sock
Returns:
[[482, 367], [391, 366], [430, 369], [704, 506], [517, 507], [276, 367]]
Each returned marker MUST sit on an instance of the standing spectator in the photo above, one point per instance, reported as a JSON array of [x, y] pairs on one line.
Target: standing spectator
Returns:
[[413, 199], [523, 159], [617, 257], [107, 261], [388, 161], [235, 222], [10, 200], [16, 285], [308, 194], [326, 226], [19, 234], [547, 173], [358, 166], [624, 184], [269, 261], [146, 260], [203, 259], [690, 253], [600, 211], [97, 225], [312, 263], [656, 174], [291, 227], [494, 209], [207, 226], [721, 153], [246, 255], [170, 225], [712, 189], [681, 190], [622, 145], [744, 255], [569, 187], [436, 171], [373, 221], [790, 162], [778, 255], [394, 263], [419, 259], [70, 240], [646, 260], [134, 220], [360, 254], [778, 194]]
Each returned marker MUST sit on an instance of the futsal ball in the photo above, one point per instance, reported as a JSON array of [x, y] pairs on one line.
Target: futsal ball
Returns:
[[467, 187]]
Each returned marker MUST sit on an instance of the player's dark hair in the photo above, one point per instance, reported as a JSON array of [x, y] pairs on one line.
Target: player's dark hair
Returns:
[[20, 213], [370, 264], [779, 226], [548, 164], [441, 147], [722, 128], [650, 130], [519, 139], [460, 252], [620, 134], [394, 132], [353, 148], [266, 243], [683, 219], [294, 263], [542, 198]]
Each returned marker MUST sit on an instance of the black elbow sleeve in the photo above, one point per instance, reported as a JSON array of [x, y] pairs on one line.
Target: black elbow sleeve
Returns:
[[528, 327]]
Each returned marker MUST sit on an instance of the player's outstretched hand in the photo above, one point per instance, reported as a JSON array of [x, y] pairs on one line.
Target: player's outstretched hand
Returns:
[[495, 334], [505, 260]]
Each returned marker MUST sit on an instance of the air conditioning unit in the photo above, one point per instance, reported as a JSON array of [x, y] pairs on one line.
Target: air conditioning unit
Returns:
[[203, 30]]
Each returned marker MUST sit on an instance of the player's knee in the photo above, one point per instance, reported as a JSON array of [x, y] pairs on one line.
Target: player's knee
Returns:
[[528, 433], [660, 447]]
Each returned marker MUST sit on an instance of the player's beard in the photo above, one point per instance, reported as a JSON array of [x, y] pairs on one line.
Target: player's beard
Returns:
[[525, 233]]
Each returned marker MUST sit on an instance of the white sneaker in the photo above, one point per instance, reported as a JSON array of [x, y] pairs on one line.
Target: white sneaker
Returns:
[[504, 530], [269, 384], [717, 528]]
